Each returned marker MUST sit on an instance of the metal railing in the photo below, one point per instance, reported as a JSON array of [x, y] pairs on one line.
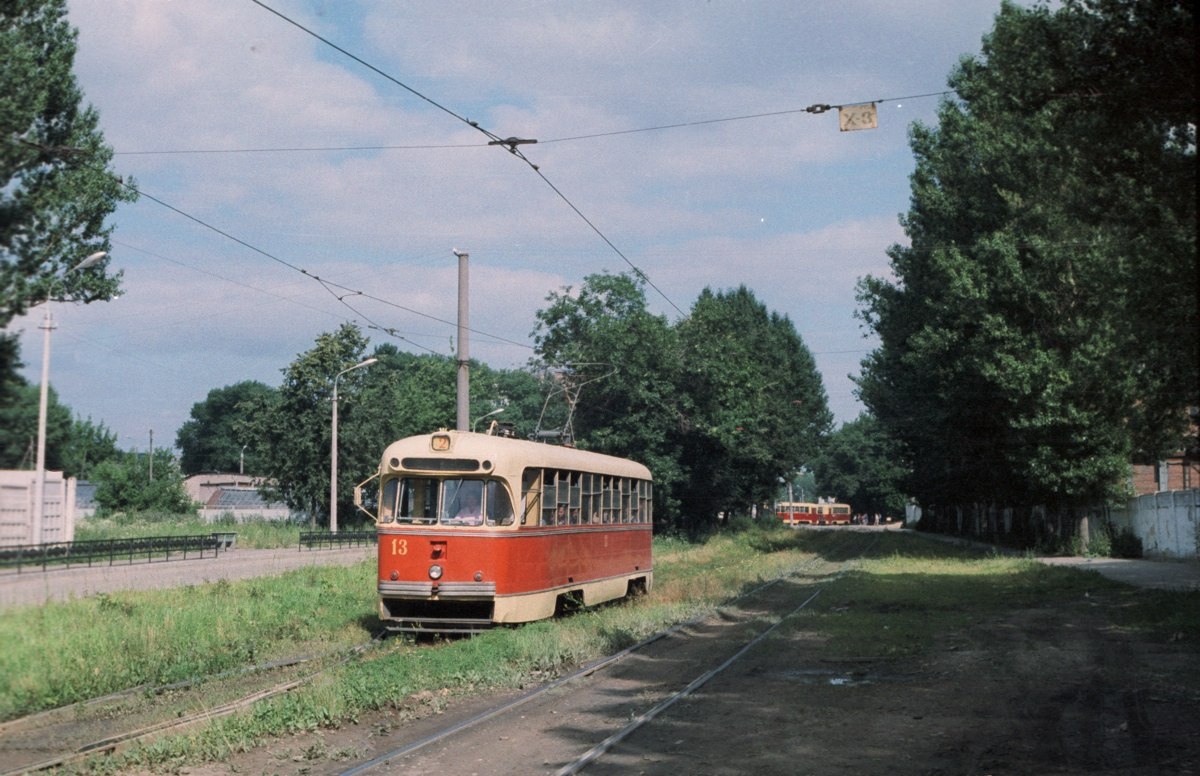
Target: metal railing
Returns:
[[324, 540], [146, 549]]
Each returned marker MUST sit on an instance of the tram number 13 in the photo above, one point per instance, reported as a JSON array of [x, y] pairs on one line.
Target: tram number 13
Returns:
[[399, 546]]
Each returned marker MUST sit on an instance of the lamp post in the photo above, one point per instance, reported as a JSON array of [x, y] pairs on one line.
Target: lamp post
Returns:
[[39, 480], [486, 415], [333, 445]]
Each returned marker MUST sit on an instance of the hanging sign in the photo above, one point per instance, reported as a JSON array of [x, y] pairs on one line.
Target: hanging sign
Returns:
[[852, 117]]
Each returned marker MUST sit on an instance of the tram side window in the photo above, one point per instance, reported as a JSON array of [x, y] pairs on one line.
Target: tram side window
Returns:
[[574, 494], [418, 499], [591, 498], [531, 495], [553, 513], [646, 496], [612, 503]]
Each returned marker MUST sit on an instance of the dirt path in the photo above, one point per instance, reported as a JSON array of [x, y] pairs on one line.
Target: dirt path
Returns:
[[1042, 689]]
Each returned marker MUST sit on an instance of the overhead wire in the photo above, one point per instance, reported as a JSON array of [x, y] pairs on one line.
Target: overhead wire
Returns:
[[812, 109], [512, 144], [329, 285]]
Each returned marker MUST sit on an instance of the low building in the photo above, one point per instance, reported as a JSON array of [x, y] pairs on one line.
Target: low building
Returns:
[[235, 496]]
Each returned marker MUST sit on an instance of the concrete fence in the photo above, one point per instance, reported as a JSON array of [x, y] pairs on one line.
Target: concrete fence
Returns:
[[1168, 523]]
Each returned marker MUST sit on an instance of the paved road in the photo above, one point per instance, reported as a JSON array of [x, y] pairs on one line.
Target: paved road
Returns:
[[1158, 574], [33, 588]]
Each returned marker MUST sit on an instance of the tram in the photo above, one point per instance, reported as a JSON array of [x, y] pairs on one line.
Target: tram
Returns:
[[821, 513], [477, 530]]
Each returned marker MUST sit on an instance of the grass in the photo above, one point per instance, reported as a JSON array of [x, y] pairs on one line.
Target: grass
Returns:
[[900, 597], [254, 535], [61, 653]]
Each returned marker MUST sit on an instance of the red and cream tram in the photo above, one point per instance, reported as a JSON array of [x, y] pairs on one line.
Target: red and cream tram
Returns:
[[797, 512], [476, 530]]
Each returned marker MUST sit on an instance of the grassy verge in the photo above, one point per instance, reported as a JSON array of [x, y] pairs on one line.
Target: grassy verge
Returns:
[[61, 653], [254, 535]]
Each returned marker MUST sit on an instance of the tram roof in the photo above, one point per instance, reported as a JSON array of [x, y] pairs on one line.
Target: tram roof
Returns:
[[469, 444]]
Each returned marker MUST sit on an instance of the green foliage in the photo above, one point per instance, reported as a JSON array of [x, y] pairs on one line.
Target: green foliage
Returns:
[[759, 408], [18, 425], [289, 430], [208, 441], [718, 406], [90, 444], [862, 466], [624, 363], [123, 484], [55, 188], [1025, 355]]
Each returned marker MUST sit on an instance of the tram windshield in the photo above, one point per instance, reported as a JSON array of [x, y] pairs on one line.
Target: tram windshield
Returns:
[[452, 501]]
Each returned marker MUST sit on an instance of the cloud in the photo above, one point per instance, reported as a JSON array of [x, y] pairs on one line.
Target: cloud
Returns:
[[784, 204]]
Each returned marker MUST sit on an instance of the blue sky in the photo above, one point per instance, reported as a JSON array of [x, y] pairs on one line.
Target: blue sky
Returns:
[[785, 204]]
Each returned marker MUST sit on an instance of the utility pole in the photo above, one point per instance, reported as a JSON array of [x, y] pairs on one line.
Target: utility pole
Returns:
[[464, 348]]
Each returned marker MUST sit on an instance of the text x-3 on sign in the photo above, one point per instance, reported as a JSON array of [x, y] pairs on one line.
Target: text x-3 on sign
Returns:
[[851, 117]]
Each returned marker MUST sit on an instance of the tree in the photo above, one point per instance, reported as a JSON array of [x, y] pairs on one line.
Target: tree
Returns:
[[862, 466], [18, 418], [759, 410], [55, 186], [622, 362], [89, 445], [208, 440], [123, 485], [290, 429], [1025, 355]]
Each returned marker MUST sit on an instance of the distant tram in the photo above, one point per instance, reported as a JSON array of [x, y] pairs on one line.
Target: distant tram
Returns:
[[803, 512], [477, 530]]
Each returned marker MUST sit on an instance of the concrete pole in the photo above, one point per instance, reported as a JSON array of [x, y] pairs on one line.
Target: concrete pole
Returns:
[[464, 345], [39, 480]]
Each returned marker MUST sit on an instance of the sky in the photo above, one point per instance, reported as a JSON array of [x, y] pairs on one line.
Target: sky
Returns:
[[298, 189]]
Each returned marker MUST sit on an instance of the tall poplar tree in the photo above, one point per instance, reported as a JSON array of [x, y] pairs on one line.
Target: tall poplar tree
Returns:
[[1042, 330]]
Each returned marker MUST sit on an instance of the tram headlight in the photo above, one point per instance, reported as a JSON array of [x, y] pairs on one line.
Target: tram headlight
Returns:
[[435, 572]]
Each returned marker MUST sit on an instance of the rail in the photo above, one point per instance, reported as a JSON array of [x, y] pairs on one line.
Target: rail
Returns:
[[324, 540], [91, 552]]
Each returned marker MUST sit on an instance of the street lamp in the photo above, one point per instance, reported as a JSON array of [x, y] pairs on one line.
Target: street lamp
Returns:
[[333, 445], [475, 425], [39, 480]]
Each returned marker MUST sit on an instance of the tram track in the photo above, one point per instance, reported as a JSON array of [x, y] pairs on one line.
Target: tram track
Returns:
[[732, 613], [55, 750], [69, 734]]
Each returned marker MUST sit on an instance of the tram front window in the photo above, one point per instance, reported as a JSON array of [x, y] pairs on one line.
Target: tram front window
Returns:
[[462, 503], [418, 500]]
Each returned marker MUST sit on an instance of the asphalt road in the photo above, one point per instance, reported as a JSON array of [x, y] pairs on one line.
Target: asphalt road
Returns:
[[36, 587]]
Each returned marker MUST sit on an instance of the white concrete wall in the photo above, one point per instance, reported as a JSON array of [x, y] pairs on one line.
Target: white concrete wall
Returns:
[[1168, 523], [16, 508]]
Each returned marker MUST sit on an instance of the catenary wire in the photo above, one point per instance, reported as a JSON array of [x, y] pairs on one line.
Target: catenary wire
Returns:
[[813, 109], [328, 284], [511, 144]]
